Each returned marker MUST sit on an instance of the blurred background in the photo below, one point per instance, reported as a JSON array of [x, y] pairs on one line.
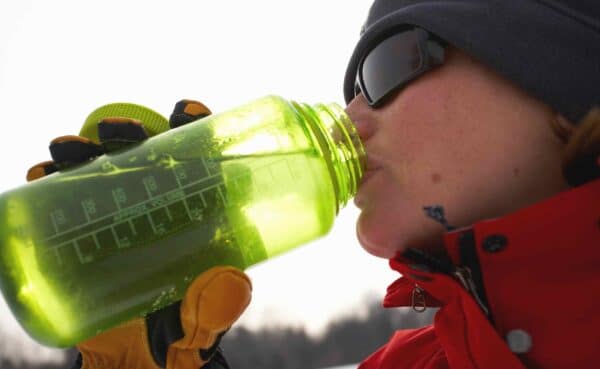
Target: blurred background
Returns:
[[60, 60]]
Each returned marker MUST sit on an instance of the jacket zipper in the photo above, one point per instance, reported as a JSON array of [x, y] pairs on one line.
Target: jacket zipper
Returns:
[[462, 274]]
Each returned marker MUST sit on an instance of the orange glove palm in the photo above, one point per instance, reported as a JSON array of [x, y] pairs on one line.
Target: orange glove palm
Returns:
[[212, 303]]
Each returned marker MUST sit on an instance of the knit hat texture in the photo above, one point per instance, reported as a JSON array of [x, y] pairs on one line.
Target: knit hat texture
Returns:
[[549, 48]]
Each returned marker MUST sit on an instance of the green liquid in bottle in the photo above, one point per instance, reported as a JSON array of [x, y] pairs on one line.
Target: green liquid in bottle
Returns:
[[89, 248]]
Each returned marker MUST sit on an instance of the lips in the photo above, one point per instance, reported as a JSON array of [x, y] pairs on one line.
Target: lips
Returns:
[[365, 129], [372, 167], [361, 114], [372, 163]]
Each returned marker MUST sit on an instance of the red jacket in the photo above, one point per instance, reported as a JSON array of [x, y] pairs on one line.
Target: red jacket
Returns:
[[537, 271]]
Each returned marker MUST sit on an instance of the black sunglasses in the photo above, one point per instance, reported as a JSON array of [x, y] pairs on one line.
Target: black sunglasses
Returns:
[[395, 61]]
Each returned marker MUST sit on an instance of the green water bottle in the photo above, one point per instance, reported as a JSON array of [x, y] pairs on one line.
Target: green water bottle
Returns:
[[91, 247]]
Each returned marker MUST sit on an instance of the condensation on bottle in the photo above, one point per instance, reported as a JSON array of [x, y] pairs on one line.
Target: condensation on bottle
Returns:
[[88, 248]]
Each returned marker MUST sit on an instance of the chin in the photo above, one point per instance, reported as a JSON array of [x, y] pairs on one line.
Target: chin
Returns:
[[371, 244]]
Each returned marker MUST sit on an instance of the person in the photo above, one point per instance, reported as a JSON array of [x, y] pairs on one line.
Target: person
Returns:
[[482, 130], [482, 186]]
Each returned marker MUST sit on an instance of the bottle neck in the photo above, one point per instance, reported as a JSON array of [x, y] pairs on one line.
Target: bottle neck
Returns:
[[340, 144]]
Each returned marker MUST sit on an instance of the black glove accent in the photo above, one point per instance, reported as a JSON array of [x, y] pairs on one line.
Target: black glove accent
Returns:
[[164, 328], [78, 362], [116, 133], [41, 170], [207, 355], [217, 361], [71, 150], [187, 111]]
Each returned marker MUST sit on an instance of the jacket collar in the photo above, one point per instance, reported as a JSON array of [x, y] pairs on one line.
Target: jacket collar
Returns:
[[536, 270]]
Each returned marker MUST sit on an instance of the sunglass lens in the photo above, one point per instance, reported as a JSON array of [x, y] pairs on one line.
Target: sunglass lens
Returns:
[[391, 64]]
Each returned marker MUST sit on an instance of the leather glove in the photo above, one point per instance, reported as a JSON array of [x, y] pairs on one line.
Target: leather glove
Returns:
[[186, 334]]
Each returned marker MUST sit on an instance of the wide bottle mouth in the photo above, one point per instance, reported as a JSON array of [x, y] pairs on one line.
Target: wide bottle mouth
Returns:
[[341, 145]]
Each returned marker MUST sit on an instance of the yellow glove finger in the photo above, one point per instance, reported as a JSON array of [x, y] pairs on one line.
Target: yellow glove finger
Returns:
[[187, 111], [40, 170], [119, 123], [212, 303], [66, 151], [154, 123], [125, 346]]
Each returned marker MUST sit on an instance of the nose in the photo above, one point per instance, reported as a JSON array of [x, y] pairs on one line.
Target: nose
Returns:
[[361, 114]]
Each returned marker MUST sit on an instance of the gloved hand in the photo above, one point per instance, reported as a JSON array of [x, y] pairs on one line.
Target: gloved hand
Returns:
[[186, 334]]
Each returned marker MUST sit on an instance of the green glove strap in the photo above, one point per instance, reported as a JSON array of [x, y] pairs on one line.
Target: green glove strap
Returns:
[[154, 123]]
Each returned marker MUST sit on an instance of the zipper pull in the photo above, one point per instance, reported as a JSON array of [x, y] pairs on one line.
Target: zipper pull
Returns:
[[418, 299], [463, 274], [445, 266]]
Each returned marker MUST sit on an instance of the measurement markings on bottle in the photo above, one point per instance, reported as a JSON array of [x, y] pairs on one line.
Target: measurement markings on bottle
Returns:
[[89, 208], [84, 258], [58, 219], [183, 192], [123, 225], [181, 175], [130, 216], [119, 197]]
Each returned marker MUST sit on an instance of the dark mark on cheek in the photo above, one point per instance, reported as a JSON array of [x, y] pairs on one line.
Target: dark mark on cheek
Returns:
[[436, 178]]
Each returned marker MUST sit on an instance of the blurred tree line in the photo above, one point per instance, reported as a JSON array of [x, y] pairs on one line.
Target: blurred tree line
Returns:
[[347, 340]]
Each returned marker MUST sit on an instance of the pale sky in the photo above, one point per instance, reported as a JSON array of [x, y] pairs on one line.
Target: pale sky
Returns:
[[59, 60]]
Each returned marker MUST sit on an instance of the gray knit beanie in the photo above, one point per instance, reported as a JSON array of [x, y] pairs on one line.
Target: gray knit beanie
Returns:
[[549, 48]]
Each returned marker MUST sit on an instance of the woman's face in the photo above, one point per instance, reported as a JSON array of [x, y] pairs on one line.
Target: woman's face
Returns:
[[461, 137]]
